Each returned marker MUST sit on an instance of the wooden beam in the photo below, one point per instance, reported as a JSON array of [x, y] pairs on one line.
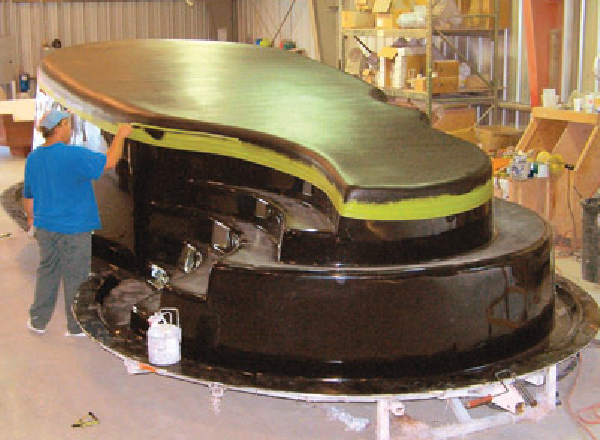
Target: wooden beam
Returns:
[[314, 26], [541, 18]]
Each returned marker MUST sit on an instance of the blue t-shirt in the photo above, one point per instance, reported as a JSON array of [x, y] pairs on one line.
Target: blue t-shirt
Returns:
[[59, 178]]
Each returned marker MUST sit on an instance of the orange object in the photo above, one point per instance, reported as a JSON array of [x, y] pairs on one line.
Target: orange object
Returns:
[[476, 402], [540, 17], [147, 367], [499, 163]]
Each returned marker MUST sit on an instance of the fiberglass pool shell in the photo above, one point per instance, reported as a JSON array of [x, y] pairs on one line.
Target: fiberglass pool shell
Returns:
[[250, 320], [347, 249]]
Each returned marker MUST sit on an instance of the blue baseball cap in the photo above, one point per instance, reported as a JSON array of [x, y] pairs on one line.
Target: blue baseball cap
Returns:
[[52, 118]]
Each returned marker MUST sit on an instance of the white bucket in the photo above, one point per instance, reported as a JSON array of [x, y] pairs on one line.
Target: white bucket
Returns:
[[164, 338]]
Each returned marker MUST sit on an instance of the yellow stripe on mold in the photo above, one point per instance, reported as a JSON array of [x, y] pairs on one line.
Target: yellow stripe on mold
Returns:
[[408, 209], [420, 208]]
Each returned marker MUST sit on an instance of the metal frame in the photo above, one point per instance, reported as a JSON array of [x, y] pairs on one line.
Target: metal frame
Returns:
[[510, 400], [427, 33]]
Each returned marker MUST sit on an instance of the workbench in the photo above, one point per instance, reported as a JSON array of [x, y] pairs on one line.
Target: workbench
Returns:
[[16, 125], [576, 137]]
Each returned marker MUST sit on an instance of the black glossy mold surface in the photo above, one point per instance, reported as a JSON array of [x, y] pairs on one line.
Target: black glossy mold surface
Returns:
[[349, 249], [576, 322]]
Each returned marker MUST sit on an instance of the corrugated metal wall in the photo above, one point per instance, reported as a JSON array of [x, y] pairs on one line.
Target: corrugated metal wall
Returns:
[[262, 18], [32, 24]]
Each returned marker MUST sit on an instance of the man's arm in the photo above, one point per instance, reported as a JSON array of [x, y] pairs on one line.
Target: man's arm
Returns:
[[28, 207], [114, 152]]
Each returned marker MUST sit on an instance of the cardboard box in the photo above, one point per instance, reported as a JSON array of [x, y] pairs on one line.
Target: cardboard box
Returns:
[[388, 20], [452, 119], [403, 66], [385, 21], [364, 5], [459, 122], [495, 137], [446, 67], [402, 4], [382, 6], [415, 65], [357, 19], [475, 7], [387, 57], [397, 65], [447, 84]]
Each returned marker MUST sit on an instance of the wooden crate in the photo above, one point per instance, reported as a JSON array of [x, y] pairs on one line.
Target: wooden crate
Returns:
[[496, 137], [415, 65], [385, 21], [447, 84], [537, 194], [357, 19], [364, 5], [446, 68], [576, 137]]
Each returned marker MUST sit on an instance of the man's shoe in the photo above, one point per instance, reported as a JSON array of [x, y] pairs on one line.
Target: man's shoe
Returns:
[[39, 331]]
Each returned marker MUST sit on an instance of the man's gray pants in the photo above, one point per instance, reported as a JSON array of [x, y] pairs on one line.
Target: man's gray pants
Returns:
[[65, 257]]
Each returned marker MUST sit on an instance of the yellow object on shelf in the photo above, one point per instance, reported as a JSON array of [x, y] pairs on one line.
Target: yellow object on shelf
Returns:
[[556, 165], [543, 156]]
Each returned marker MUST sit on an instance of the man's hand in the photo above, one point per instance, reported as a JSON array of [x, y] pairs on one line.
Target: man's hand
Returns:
[[116, 147]]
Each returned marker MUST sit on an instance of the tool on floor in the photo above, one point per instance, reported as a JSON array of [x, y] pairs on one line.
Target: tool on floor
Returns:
[[8, 234], [524, 392], [479, 401], [89, 420]]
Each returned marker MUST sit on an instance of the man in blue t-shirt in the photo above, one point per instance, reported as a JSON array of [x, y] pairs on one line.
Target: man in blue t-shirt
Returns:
[[59, 201]]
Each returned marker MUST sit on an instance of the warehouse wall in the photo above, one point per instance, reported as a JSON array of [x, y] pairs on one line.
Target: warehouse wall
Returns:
[[32, 24], [262, 19]]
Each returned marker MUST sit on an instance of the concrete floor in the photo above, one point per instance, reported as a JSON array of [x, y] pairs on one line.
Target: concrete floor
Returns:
[[49, 381]]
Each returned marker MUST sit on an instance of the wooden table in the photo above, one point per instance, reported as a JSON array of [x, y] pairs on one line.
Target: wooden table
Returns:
[[16, 125]]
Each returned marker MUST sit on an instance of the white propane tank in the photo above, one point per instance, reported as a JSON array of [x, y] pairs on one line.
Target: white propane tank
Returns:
[[164, 337]]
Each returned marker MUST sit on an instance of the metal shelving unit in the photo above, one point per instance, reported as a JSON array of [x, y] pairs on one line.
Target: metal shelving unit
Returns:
[[487, 96]]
